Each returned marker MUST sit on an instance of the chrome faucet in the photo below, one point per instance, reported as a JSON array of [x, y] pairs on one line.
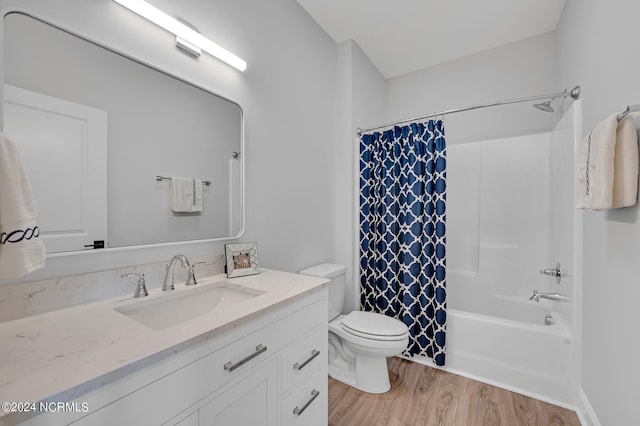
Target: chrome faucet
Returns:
[[141, 288], [536, 296], [185, 262]]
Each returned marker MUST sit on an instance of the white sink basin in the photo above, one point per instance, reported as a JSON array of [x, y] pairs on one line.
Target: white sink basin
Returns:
[[167, 311]]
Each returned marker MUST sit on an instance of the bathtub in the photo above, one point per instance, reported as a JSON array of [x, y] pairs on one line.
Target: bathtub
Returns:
[[521, 353]]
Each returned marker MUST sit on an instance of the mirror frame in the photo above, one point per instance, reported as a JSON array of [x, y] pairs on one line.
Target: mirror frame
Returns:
[[87, 261]]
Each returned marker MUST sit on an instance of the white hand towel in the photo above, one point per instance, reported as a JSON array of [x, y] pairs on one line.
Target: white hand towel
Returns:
[[21, 248], [596, 166], [181, 194], [186, 195], [625, 175]]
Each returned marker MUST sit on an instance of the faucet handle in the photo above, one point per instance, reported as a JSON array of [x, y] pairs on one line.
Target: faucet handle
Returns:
[[191, 276], [557, 272], [141, 289]]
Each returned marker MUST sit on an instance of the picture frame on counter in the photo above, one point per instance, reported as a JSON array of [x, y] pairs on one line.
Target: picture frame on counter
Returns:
[[242, 259]]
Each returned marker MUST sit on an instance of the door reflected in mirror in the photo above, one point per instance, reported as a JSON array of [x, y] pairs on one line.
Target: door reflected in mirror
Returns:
[[94, 129]]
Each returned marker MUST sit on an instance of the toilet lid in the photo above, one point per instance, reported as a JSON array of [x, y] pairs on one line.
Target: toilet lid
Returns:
[[375, 325]]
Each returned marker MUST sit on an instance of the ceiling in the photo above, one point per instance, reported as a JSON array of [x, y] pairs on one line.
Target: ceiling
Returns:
[[400, 36]]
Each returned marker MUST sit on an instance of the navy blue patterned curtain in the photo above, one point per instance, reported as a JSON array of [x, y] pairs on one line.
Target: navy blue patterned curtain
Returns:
[[402, 231]]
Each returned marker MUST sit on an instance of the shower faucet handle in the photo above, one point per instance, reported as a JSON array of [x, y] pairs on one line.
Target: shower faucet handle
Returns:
[[557, 272], [550, 272]]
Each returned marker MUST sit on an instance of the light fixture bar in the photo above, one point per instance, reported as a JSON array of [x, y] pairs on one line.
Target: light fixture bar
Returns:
[[176, 27]]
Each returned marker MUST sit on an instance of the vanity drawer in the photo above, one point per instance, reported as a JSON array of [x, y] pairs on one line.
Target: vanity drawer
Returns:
[[243, 354], [170, 395], [303, 357], [307, 404]]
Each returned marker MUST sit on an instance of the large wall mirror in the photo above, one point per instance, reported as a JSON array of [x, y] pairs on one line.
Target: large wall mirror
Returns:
[[96, 128]]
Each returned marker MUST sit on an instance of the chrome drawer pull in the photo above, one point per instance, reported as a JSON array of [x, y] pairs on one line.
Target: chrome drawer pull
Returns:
[[314, 353], [314, 395], [230, 366]]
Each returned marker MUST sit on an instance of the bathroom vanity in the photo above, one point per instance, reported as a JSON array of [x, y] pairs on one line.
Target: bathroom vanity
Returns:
[[258, 357]]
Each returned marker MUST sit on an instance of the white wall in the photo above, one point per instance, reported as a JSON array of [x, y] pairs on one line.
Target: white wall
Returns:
[[363, 91], [597, 42], [524, 68], [289, 97]]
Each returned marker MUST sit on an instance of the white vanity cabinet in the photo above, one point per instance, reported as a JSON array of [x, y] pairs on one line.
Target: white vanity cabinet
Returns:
[[250, 401], [287, 389], [270, 369]]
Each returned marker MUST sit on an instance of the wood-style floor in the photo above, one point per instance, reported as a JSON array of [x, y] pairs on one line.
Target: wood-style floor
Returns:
[[421, 395]]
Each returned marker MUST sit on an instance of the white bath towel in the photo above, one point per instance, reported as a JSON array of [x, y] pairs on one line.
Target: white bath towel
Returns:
[[596, 166], [625, 175], [186, 195], [21, 248]]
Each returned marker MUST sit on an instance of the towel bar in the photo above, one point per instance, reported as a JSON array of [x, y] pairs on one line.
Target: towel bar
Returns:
[[159, 178], [629, 110]]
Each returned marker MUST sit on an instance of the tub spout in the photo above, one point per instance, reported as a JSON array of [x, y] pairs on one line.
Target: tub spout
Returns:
[[536, 296]]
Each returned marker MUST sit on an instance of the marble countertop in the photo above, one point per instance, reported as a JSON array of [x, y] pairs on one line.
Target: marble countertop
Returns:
[[64, 354]]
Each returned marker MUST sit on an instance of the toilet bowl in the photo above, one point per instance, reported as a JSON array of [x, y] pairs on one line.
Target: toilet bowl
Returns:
[[358, 357], [359, 342]]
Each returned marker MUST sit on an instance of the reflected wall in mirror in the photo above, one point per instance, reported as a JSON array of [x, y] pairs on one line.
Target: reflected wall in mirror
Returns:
[[95, 128]]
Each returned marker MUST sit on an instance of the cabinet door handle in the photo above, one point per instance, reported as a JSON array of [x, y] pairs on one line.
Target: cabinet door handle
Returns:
[[314, 353], [230, 366], [314, 395]]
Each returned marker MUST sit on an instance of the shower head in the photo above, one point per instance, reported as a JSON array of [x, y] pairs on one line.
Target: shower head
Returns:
[[544, 106]]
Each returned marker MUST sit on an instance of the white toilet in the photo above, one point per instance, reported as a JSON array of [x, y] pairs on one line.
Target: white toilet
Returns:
[[360, 342]]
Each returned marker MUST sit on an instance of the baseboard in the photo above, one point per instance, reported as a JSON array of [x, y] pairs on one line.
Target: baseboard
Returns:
[[585, 411]]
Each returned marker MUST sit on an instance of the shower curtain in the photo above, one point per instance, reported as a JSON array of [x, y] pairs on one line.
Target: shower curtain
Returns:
[[402, 231]]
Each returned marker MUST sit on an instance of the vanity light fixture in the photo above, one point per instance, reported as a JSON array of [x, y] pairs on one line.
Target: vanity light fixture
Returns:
[[182, 31]]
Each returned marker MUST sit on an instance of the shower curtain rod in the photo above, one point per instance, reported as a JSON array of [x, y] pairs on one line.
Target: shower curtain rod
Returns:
[[574, 94]]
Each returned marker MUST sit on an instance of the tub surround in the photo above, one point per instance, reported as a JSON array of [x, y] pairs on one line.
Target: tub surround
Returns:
[[64, 354]]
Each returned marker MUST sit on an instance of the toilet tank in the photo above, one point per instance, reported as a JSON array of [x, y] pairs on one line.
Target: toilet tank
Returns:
[[335, 273]]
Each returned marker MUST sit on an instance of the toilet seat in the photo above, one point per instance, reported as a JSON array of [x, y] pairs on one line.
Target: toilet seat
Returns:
[[374, 326]]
